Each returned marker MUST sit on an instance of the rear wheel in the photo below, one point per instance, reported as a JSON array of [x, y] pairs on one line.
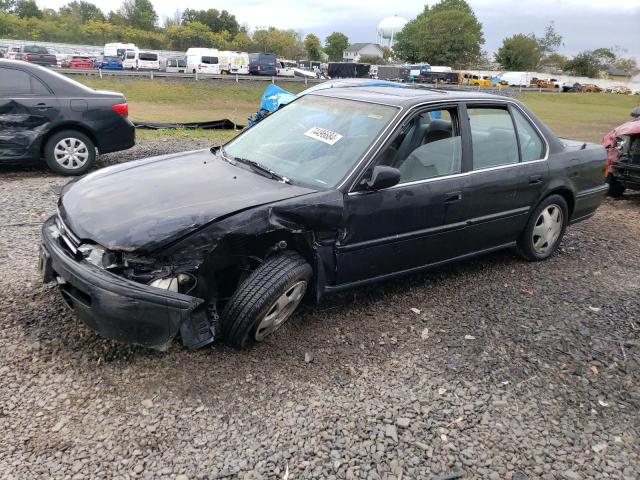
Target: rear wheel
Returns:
[[70, 152], [616, 189], [265, 300], [545, 229]]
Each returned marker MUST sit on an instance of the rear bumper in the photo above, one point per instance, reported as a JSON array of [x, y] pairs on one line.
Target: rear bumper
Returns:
[[587, 201], [114, 307], [120, 137]]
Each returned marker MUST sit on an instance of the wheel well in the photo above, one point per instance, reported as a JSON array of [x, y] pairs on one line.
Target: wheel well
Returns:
[[567, 195], [61, 128]]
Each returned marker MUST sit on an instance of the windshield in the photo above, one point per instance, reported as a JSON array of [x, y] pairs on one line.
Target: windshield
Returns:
[[315, 140]]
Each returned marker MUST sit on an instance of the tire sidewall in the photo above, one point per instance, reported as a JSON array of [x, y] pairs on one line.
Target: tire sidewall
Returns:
[[250, 320], [526, 241], [55, 166]]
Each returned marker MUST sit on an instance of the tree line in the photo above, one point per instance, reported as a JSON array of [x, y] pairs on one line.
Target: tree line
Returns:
[[136, 21], [446, 33]]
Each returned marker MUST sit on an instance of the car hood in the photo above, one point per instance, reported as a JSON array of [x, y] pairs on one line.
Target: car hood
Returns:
[[155, 201]]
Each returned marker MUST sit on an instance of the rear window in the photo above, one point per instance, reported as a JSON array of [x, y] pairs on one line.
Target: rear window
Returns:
[[148, 56], [35, 49], [182, 63], [210, 60]]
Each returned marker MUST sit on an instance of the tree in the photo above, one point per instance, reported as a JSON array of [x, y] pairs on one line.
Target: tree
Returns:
[[139, 14], [241, 42], [284, 43], [519, 52], [585, 64], [550, 42], [27, 9], [6, 5], [372, 59], [83, 11], [335, 45], [215, 20], [313, 47], [446, 34], [554, 62]]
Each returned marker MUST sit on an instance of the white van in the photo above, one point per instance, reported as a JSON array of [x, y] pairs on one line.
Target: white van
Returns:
[[233, 62], [203, 60], [119, 50], [147, 61]]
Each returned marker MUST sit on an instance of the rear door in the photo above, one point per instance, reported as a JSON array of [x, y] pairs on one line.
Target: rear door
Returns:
[[27, 108], [503, 189]]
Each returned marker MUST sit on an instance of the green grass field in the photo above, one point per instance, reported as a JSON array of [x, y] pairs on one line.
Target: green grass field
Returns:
[[583, 116]]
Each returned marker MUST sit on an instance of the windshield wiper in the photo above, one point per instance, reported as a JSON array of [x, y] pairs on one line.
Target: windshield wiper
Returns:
[[258, 167]]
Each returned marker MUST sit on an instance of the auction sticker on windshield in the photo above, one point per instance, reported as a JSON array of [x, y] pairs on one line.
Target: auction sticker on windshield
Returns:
[[324, 135]]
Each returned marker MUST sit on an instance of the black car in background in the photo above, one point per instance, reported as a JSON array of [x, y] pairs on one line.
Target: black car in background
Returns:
[[44, 114], [342, 187], [262, 64], [36, 55]]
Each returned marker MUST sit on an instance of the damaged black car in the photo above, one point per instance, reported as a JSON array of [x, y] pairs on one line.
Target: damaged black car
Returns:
[[340, 188]]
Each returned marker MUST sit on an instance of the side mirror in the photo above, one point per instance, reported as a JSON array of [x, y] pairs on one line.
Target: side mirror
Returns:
[[383, 177]]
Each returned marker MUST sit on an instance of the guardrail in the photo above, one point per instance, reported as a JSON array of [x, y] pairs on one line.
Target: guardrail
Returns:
[[99, 72]]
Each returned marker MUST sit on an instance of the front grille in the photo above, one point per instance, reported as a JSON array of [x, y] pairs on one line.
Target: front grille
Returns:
[[69, 240]]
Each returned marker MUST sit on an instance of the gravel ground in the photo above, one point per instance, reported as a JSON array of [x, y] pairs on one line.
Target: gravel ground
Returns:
[[493, 368]]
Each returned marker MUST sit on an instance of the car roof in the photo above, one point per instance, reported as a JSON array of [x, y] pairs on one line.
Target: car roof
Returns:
[[403, 96]]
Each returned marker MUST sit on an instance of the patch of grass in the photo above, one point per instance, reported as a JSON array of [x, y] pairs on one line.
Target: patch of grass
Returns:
[[582, 116], [216, 137], [171, 100]]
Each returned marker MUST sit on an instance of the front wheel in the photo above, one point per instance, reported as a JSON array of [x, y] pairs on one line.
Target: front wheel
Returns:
[[545, 229], [265, 300], [70, 152]]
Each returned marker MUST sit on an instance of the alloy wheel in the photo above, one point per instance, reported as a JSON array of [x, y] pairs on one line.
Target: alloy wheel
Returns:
[[281, 310]]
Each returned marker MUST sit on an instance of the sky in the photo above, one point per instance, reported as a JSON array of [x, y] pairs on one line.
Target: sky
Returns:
[[584, 24]]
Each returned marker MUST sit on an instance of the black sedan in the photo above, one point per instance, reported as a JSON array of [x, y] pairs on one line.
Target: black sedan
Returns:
[[342, 187], [44, 114]]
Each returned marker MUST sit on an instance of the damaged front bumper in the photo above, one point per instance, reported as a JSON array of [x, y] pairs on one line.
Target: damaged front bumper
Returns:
[[627, 174], [114, 307]]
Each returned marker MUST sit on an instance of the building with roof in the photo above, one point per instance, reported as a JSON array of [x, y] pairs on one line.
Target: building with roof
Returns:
[[356, 50]]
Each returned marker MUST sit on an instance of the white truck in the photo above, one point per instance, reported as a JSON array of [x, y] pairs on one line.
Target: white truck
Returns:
[[203, 60]]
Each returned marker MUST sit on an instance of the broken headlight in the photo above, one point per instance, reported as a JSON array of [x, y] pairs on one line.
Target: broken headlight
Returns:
[[182, 282], [99, 256]]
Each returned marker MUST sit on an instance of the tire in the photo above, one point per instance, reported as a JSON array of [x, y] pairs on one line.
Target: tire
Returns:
[[616, 189], [265, 300], [84, 153], [544, 232]]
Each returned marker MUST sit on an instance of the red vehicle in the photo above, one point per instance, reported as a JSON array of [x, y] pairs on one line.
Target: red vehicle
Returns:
[[623, 156], [79, 62]]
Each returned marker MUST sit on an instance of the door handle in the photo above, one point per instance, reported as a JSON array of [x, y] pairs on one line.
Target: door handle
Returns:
[[535, 179], [42, 106], [452, 197]]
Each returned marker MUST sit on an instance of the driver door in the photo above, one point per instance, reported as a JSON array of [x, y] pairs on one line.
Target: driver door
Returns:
[[418, 221]]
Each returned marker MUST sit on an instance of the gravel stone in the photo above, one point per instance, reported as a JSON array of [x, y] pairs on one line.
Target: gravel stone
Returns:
[[521, 397]]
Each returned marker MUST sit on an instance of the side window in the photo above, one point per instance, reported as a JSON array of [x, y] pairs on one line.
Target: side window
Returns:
[[531, 145], [428, 146], [493, 137], [16, 82]]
